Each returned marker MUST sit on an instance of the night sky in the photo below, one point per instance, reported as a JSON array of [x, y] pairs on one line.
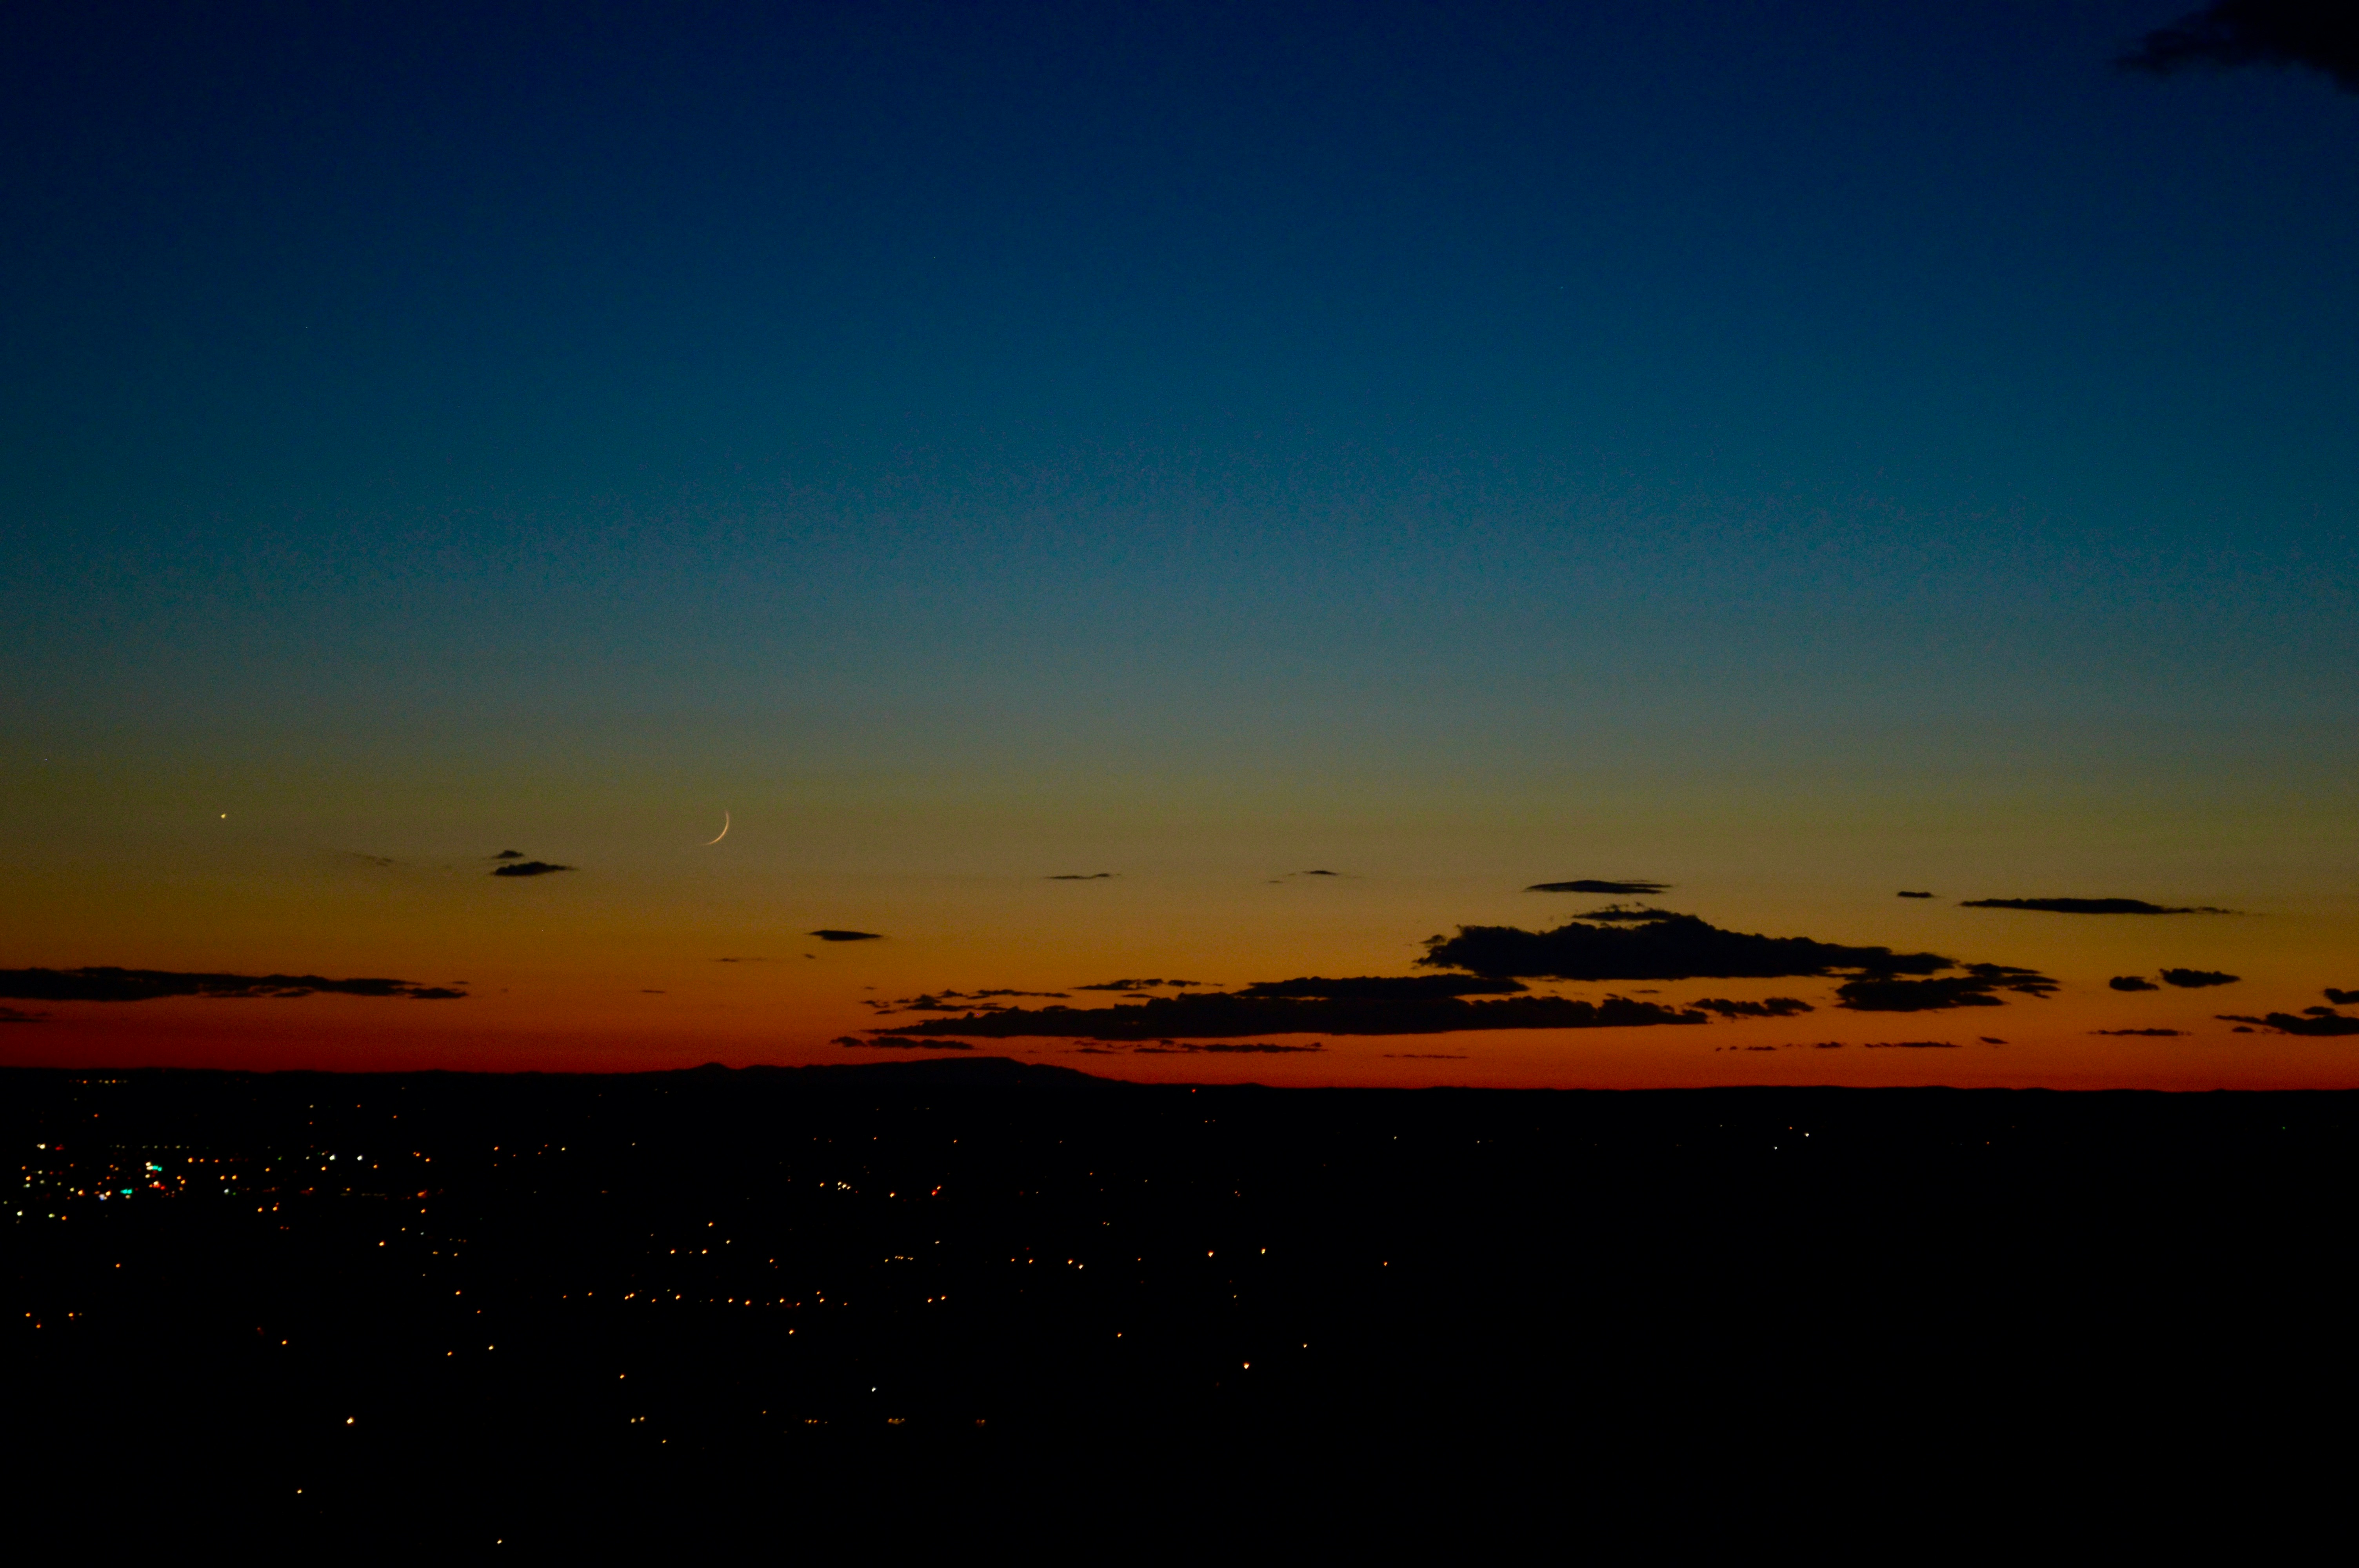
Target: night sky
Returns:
[[1789, 453]]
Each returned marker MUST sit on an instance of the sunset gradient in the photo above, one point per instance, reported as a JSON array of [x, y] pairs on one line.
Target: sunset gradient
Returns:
[[1788, 454]]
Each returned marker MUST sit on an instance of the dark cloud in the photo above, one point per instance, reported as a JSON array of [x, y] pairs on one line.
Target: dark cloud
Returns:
[[1619, 943], [2315, 1020], [1776, 1006], [1314, 873], [1990, 1040], [2089, 906], [1910, 1046], [1193, 1047], [1626, 914], [509, 855], [826, 936], [1385, 988], [107, 983], [2196, 979], [2157, 1033], [17, 1015], [1121, 986], [2131, 983], [1228, 1015], [1912, 895], [1643, 890], [930, 1003], [1082, 877], [1616, 944], [2320, 34], [1256, 1048], [527, 869], [1978, 987], [953, 1002], [2342, 997], [852, 1042]]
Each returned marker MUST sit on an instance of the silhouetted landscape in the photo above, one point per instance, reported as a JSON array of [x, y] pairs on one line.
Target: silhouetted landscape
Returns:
[[326, 1296]]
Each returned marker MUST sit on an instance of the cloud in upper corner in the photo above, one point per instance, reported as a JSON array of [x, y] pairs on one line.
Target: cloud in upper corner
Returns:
[[107, 983], [2196, 979], [527, 869], [826, 934], [2089, 906], [1603, 889], [2320, 34], [2131, 983]]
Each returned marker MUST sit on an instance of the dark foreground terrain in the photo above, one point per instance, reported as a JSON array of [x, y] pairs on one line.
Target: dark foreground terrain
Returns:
[[980, 1295]]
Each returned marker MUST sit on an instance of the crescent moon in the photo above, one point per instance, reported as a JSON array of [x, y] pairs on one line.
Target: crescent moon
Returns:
[[723, 834]]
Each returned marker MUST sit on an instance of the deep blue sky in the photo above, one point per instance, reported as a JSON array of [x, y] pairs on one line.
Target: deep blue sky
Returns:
[[1177, 386]]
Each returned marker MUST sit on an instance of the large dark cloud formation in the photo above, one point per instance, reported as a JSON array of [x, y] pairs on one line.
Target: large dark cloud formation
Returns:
[[1619, 944], [526, 868], [2320, 34], [2088, 906], [106, 983], [1624, 943], [1616, 944], [1218, 1015]]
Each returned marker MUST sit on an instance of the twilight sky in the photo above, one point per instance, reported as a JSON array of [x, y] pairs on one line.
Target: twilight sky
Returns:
[[1791, 452]]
